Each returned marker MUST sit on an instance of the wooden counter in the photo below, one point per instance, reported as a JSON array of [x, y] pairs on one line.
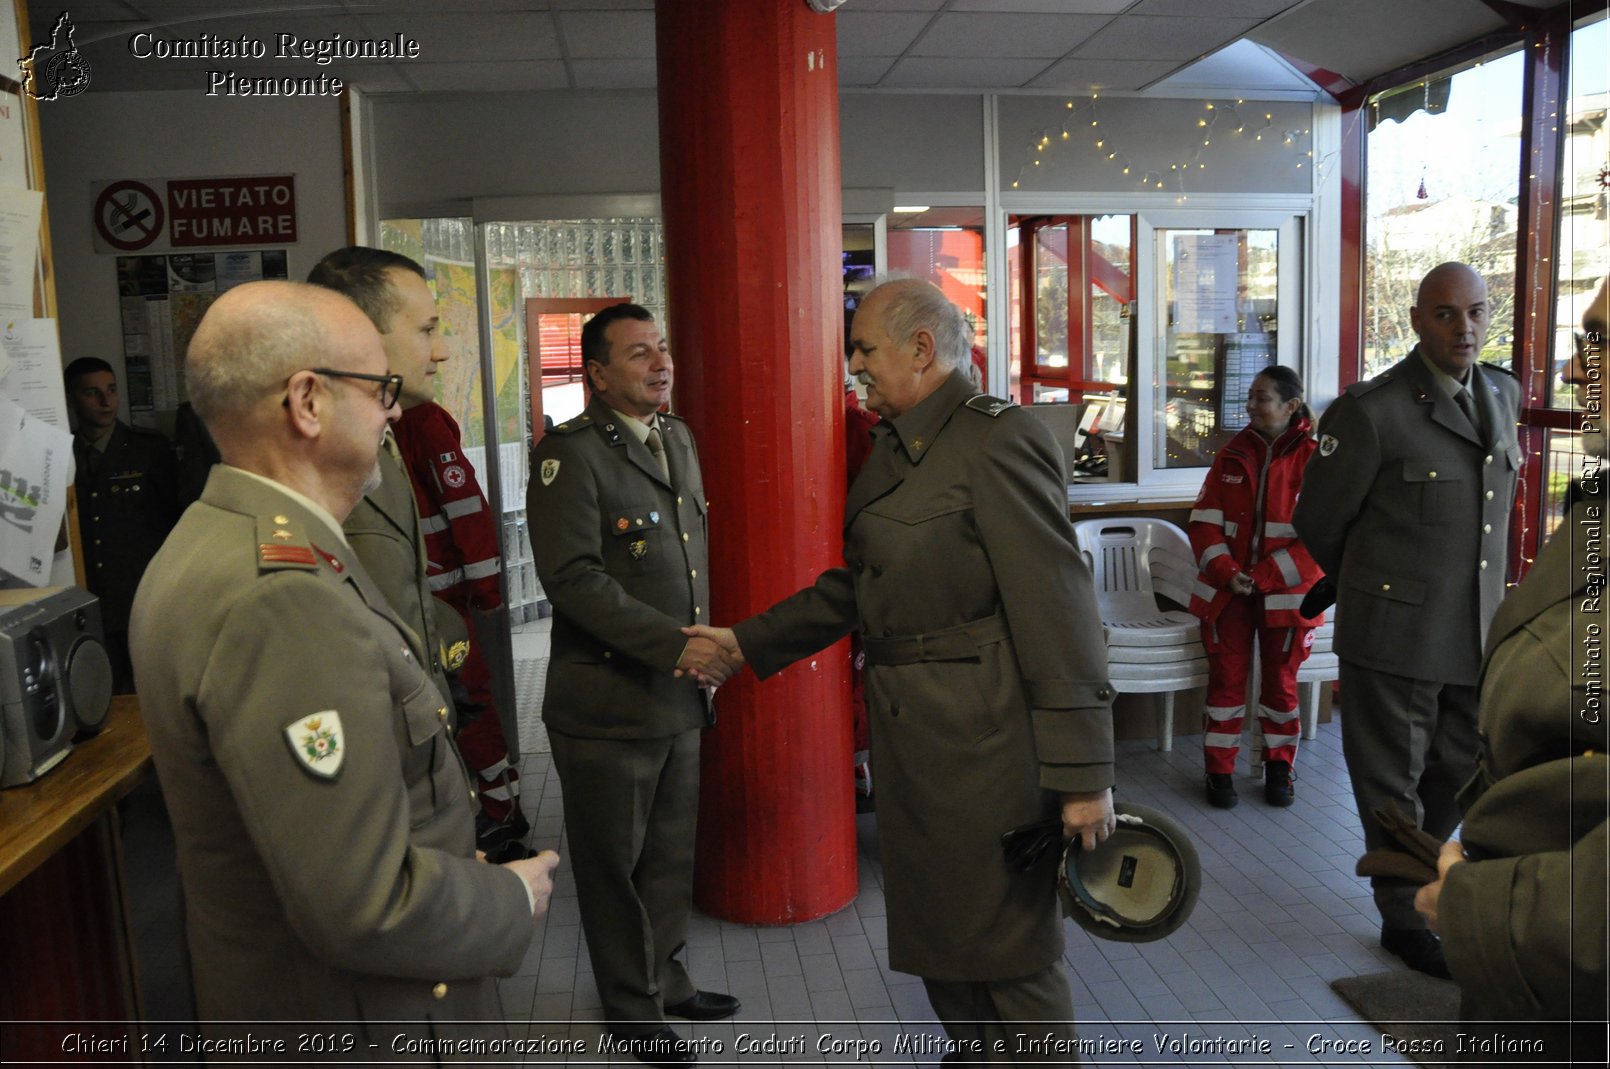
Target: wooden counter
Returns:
[[38, 820]]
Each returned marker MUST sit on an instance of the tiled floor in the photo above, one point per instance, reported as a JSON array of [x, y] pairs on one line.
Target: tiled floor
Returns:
[[1280, 916]]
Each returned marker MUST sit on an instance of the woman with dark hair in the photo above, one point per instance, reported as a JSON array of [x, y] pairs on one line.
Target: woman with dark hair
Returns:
[[1254, 573]]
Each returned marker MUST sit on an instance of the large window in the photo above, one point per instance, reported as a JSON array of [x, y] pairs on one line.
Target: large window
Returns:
[[1442, 184]]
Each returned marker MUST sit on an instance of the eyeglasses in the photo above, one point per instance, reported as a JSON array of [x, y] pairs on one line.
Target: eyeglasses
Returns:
[[390, 391]]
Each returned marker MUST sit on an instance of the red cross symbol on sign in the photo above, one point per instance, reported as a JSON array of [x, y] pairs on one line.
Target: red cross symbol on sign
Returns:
[[128, 215]]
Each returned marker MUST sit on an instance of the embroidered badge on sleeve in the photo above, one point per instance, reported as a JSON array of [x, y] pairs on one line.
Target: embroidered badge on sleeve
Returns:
[[317, 743]]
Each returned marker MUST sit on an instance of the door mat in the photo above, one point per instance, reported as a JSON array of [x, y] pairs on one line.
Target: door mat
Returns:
[[1419, 1012]]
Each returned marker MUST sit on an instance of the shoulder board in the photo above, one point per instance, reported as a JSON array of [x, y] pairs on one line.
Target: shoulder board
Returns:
[[1500, 367], [281, 545], [990, 406], [672, 415], [571, 426], [1359, 389]]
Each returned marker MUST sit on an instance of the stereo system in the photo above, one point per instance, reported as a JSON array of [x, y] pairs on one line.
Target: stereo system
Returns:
[[55, 678]]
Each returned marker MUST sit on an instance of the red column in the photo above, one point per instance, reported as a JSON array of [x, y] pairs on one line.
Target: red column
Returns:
[[749, 184]]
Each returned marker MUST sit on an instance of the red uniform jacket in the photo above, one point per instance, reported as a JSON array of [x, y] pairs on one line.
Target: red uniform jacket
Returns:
[[1242, 523], [461, 535]]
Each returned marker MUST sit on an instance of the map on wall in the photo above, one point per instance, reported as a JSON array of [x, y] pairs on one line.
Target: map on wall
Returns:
[[458, 381]]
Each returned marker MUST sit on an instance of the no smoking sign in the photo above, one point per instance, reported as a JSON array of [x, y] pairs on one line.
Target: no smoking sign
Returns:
[[128, 215]]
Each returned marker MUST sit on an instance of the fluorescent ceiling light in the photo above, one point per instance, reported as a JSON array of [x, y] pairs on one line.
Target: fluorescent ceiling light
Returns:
[[910, 209]]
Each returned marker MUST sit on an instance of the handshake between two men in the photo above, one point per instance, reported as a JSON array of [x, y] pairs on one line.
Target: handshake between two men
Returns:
[[711, 656]]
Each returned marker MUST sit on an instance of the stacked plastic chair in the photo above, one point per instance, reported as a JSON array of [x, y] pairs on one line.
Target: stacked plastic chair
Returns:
[[1151, 649]]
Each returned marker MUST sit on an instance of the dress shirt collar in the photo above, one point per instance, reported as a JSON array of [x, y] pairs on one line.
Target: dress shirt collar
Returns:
[[318, 510], [917, 428]]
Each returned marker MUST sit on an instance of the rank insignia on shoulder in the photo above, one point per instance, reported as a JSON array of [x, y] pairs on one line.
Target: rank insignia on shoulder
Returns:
[[317, 743], [639, 548], [549, 472], [274, 553], [455, 655], [332, 560], [1327, 444], [990, 406]]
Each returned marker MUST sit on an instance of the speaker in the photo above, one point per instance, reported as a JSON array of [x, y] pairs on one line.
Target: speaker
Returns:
[[55, 678]]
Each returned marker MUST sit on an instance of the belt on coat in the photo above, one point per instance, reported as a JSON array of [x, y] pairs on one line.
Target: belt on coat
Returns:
[[958, 643]]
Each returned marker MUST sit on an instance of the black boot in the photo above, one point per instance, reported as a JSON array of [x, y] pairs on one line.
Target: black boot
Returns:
[[1277, 780], [1221, 790]]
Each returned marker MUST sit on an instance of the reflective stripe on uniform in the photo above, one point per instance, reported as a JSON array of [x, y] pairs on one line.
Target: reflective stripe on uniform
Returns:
[[1202, 590], [1218, 549], [446, 579], [1279, 530], [462, 507], [1288, 567], [1282, 601], [482, 568], [1213, 516], [433, 524]]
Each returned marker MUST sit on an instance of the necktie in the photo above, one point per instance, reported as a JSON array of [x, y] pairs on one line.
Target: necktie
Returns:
[[1467, 405], [657, 447]]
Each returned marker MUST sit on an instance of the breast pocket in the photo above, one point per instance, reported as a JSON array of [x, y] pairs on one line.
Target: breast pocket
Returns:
[[1438, 484], [636, 543]]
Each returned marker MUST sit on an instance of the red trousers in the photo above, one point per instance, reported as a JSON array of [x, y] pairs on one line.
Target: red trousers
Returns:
[[480, 735], [1281, 651]]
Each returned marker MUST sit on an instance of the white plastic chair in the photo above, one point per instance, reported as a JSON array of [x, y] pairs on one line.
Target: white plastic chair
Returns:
[[1150, 649]]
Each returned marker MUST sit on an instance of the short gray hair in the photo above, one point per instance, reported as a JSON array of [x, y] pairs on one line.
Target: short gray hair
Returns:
[[913, 304], [250, 342]]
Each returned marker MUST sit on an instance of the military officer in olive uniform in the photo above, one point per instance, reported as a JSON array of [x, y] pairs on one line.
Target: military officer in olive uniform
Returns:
[[986, 671], [323, 820], [384, 526], [1405, 504], [617, 513], [127, 486]]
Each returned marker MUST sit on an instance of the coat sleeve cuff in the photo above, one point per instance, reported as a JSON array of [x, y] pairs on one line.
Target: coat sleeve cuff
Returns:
[[1478, 945], [1076, 779]]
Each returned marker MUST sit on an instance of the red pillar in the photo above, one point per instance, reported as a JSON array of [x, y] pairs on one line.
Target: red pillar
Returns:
[[749, 185]]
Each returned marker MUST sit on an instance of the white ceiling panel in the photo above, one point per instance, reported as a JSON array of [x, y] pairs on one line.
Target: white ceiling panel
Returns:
[[858, 6], [1026, 36], [1231, 9], [488, 77], [1079, 75], [1347, 38], [601, 35], [1152, 37], [917, 72], [1044, 7], [862, 71], [878, 34]]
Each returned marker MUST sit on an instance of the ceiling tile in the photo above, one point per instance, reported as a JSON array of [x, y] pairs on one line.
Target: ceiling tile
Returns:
[[1047, 7], [858, 6], [1083, 74], [1233, 9], [618, 34], [1150, 37], [483, 77], [1033, 36], [614, 73], [961, 73], [863, 70], [876, 34]]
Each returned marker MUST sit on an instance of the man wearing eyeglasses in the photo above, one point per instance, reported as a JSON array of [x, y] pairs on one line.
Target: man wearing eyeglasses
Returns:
[[322, 815], [426, 533]]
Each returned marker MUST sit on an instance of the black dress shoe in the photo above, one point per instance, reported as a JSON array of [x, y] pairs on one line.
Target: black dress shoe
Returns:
[[704, 1006], [1419, 948], [663, 1048]]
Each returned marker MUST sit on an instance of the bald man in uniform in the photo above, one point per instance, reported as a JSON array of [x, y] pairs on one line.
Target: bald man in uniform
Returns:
[[1405, 504], [324, 825]]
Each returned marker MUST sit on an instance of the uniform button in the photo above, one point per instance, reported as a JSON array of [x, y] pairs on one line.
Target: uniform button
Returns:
[[439, 991], [608, 654], [696, 610], [1486, 528], [1431, 475], [1483, 566], [1386, 586], [94, 493], [1103, 693], [1489, 495], [1489, 459], [282, 520], [694, 573], [97, 541], [441, 713], [684, 536], [679, 500]]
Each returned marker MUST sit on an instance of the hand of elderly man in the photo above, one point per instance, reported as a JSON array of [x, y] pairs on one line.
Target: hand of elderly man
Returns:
[[707, 659]]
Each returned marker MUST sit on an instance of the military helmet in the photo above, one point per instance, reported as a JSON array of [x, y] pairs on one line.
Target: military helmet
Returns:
[[1139, 885]]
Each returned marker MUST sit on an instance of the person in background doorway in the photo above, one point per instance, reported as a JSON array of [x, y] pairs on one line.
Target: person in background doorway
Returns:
[[127, 502], [1254, 573], [1406, 506]]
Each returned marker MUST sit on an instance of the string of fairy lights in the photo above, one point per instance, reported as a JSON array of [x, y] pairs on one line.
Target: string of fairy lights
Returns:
[[1219, 121]]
